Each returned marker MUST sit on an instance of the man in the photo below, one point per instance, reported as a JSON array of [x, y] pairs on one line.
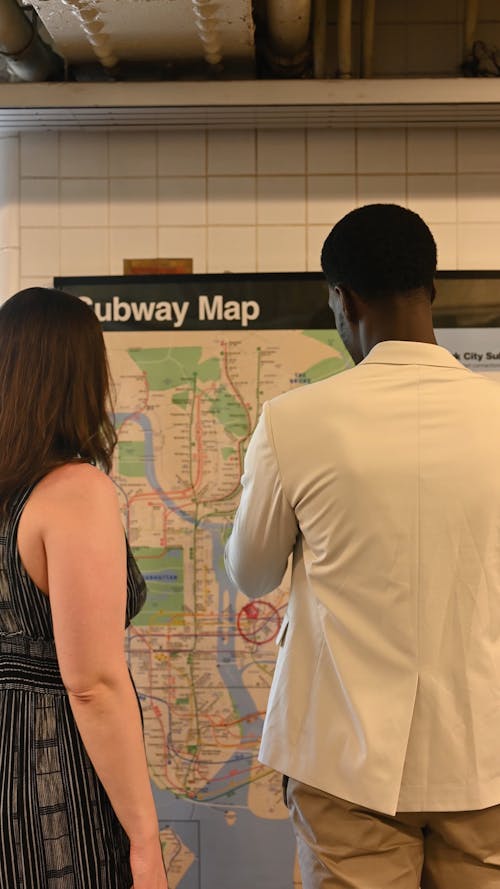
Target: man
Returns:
[[384, 483]]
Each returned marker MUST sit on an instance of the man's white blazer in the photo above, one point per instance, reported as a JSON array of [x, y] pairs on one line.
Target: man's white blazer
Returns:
[[384, 482]]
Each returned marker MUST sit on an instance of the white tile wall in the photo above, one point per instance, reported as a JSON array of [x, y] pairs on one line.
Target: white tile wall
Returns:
[[40, 249], [433, 150], [381, 189], [9, 271], [281, 249], [132, 154], [316, 235], [281, 200], [445, 235], [83, 154], [184, 243], [83, 249], [381, 151], [133, 201], [39, 202], [434, 197], [231, 200], [40, 154], [234, 156], [281, 151], [83, 202], [182, 201], [182, 153], [80, 204], [329, 198], [9, 193], [232, 248], [479, 152], [37, 281], [478, 197], [478, 246], [131, 243], [331, 151]]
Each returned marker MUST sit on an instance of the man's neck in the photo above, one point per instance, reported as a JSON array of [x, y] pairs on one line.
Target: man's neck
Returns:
[[407, 323]]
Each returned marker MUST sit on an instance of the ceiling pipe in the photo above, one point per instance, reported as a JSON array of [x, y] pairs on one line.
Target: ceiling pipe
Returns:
[[320, 25], [25, 53], [288, 24], [93, 26], [367, 37], [344, 41], [470, 23], [205, 13]]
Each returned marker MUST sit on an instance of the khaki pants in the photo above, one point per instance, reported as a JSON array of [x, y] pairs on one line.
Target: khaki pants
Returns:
[[345, 846]]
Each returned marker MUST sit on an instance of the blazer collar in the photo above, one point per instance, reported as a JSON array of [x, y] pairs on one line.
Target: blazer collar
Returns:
[[403, 352]]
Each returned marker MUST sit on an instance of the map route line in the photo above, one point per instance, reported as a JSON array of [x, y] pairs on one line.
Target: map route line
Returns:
[[235, 773], [199, 443], [147, 394], [249, 717], [190, 433], [228, 496], [244, 742], [257, 388], [232, 789], [235, 389], [200, 634], [209, 515]]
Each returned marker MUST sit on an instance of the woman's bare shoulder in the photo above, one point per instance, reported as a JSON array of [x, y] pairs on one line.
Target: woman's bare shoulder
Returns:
[[75, 481]]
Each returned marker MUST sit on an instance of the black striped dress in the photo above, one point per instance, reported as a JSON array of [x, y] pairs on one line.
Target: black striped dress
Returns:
[[57, 827]]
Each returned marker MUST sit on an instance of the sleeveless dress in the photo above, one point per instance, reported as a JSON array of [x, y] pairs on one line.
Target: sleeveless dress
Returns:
[[57, 827]]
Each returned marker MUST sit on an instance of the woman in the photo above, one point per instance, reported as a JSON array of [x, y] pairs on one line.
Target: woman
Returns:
[[76, 808]]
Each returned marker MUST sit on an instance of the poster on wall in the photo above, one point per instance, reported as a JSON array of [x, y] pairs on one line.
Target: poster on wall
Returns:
[[193, 359], [467, 318]]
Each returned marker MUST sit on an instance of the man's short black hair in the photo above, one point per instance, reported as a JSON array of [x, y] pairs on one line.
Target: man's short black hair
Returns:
[[380, 250]]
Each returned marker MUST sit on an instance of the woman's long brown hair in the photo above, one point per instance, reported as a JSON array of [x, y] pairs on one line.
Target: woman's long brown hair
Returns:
[[54, 388]]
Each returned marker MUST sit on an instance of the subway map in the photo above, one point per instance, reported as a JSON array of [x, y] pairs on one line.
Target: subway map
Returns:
[[201, 654]]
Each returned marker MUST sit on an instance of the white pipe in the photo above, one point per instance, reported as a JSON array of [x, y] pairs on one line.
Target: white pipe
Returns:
[[205, 13], [319, 38], [26, 55], [288, 23], [344, 39], [92, 24], [470, 22], [367, 35]]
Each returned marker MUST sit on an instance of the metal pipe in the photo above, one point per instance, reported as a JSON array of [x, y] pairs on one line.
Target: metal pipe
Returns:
[[344, 39], [470, 22], [25, 53], [288, 23], [367, 35], [319, 38]]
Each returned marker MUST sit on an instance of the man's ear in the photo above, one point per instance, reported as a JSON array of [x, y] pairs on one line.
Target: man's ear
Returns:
[[349, 303], [433, 293]]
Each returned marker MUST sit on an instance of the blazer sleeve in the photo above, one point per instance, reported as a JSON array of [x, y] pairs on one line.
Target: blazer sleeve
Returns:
[[265, 526]]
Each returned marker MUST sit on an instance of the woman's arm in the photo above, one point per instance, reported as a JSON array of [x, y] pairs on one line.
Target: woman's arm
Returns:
[[85, 552]]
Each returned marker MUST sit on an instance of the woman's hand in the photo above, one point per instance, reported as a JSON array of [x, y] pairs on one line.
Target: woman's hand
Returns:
[[148, 869]]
